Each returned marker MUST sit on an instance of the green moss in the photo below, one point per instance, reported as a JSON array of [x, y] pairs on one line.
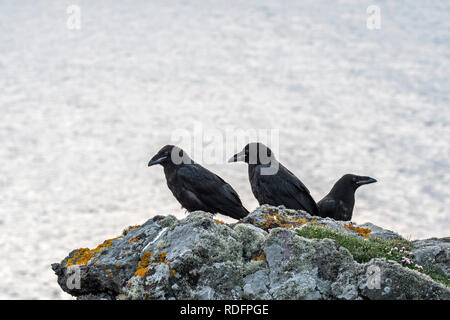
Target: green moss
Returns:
[[364, 249], [437, 275]]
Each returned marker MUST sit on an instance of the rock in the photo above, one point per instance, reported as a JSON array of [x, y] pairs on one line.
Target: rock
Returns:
[[299, 268], [267, 217], [382, 279], [260, 257], [378, 232], [105, 269], [433, 252]]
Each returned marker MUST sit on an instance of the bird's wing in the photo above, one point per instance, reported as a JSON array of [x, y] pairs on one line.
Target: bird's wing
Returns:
[[334, 208], [296, 180], [212, 190], [288, 189], [327, 207]]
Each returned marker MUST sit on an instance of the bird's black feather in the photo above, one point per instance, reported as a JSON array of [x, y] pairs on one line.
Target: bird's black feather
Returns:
[[278, 188], [340, 201], [213, 192], [197, 188], [282, 188]]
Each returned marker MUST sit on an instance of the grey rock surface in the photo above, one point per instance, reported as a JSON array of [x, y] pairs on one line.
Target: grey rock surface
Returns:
[[260, 257], [267, 217], [433, 252]]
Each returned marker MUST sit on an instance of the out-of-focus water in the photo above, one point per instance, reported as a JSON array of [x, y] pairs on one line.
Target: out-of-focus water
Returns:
[[82, 112]]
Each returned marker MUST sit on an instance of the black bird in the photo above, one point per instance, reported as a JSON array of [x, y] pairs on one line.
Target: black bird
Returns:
[[271, 182], [195, 187], [339, 203]]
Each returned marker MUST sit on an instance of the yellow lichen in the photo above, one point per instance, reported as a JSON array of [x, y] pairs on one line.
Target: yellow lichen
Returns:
[[130, 229], [143, 265], [362, 231], [274, 219], [261, 257], [162, 259], [299, 220], [133, 239], [84, 255], [219, 222], [106, 244]]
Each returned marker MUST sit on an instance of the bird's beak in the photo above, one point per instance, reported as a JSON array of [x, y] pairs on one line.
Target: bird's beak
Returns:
[[237, 157], [365, 180], [156, 160]]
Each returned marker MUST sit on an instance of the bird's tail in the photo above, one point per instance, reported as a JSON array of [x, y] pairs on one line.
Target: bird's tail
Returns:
[[240, 213], [311, 207]]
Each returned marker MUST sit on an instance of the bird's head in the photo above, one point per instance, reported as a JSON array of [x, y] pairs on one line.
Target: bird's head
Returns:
[[254, 153], [354, 182], [169, 154]]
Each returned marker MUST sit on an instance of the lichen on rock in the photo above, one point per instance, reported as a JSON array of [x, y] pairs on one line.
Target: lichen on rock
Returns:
[[260, 257]]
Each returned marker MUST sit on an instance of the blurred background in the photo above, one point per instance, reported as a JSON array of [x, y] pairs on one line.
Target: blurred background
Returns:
[[83, 110]]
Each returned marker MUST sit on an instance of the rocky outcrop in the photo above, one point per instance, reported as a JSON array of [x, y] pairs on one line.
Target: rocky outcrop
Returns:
[[433, 252], [260, 257], [267, 217]]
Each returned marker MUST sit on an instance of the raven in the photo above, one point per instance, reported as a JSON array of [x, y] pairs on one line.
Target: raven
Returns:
[[195, 187], [339, 202], [271, 182]]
